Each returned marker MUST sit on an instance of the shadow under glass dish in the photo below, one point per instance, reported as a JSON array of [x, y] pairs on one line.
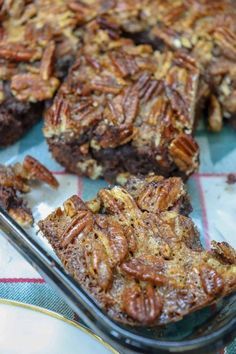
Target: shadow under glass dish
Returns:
[[203, 331]]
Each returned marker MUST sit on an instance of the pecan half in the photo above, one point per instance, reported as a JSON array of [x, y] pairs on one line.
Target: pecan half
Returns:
[[104, 84], [184, 151], [143, 305], [212, 282], [178, 104], [226, 40], [81, 222], [118, 242], [161, 195], [17, 52], [33, 169], [113, 238], [115, 135], [141, 270], [59, 112], [98, 264], [123, 108], [46, 66], [215, 116], [124, 63]]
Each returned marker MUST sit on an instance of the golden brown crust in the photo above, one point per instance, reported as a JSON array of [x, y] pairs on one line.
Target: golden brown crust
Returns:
[[142, 262]]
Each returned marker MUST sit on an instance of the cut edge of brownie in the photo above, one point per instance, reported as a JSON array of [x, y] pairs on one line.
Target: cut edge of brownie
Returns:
[[112, 164], [14, 123]]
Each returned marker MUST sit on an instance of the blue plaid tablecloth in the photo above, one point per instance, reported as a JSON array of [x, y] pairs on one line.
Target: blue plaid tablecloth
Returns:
[[214, 203]]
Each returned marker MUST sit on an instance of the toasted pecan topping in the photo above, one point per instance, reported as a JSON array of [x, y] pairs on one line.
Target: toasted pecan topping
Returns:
[[124, 97], [208, 33], [37, 42], [22, 216]]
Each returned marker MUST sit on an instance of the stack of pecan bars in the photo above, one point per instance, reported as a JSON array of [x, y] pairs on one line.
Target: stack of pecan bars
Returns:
[[143, 72]]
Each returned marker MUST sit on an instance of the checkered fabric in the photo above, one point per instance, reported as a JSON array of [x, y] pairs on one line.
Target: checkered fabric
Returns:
[[214, 203]]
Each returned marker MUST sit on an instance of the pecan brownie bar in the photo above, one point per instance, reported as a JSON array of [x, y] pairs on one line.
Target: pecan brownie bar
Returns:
[[138, 254], [124, 108], [207, 31], [16, 180], [37, 44]]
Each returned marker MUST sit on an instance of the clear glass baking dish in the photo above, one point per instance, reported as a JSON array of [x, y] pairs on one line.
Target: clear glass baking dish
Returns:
[[204, 331]]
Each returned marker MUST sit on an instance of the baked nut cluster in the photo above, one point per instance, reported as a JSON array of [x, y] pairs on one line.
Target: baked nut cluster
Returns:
[[138, 254], [125, 108], [16, 180]]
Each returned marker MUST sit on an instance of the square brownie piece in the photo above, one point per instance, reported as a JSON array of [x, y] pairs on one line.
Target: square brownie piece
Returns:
[[124, 108], [138, 254], [37, 45]]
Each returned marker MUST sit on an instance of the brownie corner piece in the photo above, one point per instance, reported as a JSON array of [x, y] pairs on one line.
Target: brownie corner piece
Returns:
[[137, 253], [37, 44], [126, 108]]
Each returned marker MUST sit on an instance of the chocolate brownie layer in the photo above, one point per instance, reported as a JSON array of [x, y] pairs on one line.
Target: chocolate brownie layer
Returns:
[[137, 255], [17, 117], [124, 108]]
